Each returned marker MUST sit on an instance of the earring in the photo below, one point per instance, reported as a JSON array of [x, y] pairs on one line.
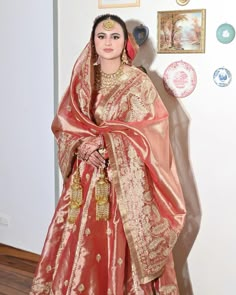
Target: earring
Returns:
[[124, 57], [97, 62]]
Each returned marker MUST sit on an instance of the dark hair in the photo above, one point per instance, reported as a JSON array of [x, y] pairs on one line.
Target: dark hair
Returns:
[[114, 18]]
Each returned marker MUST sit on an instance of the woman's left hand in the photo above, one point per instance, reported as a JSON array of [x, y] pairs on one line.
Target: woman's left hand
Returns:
[[89, 146]]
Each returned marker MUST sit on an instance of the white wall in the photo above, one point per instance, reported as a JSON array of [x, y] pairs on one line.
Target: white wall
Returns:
[[27, 107], [202, 130]]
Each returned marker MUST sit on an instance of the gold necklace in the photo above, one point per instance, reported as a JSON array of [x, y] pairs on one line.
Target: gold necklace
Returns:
[[104, 80]]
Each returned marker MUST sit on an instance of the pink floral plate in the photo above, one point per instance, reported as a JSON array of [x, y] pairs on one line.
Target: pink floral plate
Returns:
[[179, 79]]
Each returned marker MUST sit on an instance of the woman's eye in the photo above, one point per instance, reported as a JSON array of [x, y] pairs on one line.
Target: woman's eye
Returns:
[[116, 37], [100, 36]]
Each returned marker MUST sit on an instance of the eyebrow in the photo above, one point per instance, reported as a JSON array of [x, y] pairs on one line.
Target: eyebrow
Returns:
[[103, 33]]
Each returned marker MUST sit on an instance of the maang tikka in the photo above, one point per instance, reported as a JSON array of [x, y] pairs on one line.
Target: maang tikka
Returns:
[[108, 24]]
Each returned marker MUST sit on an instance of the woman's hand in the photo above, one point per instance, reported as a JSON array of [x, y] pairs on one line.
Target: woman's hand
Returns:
[[88, 146], [88, 151], [96, 160]]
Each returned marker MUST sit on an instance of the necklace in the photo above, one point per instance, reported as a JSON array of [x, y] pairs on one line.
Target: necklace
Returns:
[[104, 80]]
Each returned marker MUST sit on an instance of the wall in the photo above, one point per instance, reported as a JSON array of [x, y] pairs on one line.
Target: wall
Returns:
[[27, 107], [202, 128]]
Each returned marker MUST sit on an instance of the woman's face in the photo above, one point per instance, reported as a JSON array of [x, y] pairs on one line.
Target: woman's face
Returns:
[[109, 44]]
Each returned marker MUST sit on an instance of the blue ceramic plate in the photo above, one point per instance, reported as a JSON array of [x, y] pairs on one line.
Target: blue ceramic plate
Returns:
[[225, 33], [140, 34], [222, 77]]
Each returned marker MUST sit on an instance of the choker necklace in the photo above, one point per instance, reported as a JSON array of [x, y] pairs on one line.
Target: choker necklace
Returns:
[[104, 80]]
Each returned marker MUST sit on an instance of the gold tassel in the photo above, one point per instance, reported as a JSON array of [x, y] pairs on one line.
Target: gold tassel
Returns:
[[76, 197], [102, 191]]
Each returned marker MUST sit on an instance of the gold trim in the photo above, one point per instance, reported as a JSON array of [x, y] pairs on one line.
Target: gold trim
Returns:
[[101, 4], [182, 2]]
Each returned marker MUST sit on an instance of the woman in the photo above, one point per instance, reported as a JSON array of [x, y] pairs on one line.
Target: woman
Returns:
[[121, 208]]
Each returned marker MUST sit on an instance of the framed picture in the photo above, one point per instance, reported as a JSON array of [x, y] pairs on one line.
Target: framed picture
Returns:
[[181, 31], [117, 3]]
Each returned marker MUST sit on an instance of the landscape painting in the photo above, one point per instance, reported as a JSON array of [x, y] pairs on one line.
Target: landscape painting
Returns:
[[181, 31]]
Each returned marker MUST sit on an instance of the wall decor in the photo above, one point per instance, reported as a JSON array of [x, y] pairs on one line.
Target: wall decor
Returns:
[[181, 31], [117, 3], [182, 2], [222, 77], [225, 33], [140, 34], [179, 79]]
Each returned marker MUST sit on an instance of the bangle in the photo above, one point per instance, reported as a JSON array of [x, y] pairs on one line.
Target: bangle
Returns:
[[101, 141]]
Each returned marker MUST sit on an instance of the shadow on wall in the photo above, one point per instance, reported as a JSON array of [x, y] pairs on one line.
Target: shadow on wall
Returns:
[[179, 125]]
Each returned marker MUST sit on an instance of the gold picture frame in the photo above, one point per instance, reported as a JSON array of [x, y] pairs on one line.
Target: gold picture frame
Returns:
[[118, 3], [181, 31]]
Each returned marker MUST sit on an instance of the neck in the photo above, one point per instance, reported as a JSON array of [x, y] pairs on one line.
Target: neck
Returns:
[[110, 66]]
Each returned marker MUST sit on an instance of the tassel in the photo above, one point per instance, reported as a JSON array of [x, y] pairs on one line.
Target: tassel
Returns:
[[76, 197], [102, 191]]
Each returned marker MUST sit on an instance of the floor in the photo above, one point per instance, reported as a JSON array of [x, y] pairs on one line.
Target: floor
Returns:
[[16, 271]]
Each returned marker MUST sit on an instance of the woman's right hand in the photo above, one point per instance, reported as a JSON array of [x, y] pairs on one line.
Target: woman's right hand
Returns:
[[96, 160]]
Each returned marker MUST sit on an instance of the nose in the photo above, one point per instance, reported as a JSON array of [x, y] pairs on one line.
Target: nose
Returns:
[[108, 41]]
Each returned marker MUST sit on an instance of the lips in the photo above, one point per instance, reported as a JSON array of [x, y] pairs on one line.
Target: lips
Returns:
[[108, 50]]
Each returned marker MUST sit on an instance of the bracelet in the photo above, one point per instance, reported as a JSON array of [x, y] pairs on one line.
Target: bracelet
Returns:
[[102, 141]]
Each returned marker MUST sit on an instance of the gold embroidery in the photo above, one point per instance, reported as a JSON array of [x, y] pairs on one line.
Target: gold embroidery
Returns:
[[66, 143], [109, 231], [48, 268], [68, 107], [151, 233], [81, 288], [98, 257], [87, 232], [120, 261], [87, 176], [136, 104], [168, 289], [66, 283], [40, 287], [60, 216]]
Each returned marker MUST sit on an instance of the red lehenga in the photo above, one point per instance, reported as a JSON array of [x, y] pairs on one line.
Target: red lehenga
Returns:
[[131, 252]]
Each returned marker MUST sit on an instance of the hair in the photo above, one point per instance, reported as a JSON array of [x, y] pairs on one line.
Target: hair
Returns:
[[112, 17]]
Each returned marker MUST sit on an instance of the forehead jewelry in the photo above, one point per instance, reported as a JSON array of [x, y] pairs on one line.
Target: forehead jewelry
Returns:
[[108, 24]]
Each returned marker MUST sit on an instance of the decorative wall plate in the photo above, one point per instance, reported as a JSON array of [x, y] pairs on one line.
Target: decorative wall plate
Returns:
[[222, 77], [179, 79], [140, 34], [225, 33], [182, 2]]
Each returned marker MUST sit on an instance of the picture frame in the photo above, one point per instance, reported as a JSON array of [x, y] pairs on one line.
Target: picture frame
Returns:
[[118, 3], [181, 31]]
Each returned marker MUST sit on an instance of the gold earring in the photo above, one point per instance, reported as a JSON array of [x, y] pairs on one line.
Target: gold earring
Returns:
[[124, 57], [97, 62]]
